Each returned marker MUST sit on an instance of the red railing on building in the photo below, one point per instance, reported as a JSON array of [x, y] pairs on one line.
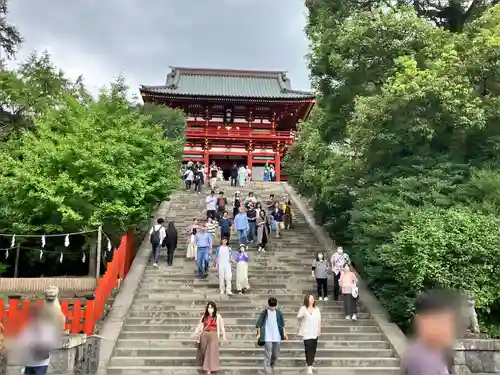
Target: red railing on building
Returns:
[[245, 133], [81, 316]]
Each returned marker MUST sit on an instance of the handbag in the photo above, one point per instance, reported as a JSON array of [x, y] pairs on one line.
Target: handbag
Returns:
[[355, 291], [199, 336]]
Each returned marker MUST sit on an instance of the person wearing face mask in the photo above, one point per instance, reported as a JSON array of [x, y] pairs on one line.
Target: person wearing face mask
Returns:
[[208, 332], [349, 287], [241, 259], [320, 274], [339, 259]]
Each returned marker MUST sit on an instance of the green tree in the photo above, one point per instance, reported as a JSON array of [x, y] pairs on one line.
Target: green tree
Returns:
[[85, 164], [10, 39], [172, 121]]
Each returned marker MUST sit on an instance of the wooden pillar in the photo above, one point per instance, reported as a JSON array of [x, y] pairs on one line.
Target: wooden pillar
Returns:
[[277, 162], [273, 123], [206, 159], [249, 155]]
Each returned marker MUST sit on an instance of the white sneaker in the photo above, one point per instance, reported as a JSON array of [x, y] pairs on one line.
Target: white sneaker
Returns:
[[155, 265], [263, 250], [320, 298], [309, 369], [221, 293], [229, 292], [354, 317], [326, 298], [259, 249], [347, 318]]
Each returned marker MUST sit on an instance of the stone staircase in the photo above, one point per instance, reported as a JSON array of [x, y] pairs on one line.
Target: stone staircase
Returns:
[[157, 335]]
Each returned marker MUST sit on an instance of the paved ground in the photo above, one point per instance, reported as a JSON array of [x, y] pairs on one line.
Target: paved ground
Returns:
[[157, 335]]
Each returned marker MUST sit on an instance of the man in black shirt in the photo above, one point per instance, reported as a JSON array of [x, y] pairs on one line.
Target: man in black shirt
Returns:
[[234, 175], [252, 223], [213, 176]]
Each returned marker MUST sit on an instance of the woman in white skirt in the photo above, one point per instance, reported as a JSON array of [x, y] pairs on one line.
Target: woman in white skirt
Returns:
[[241, 258], [191, 247]]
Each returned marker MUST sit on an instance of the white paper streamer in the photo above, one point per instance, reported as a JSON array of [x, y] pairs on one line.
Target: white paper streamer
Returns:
[[41, 254], [13, 242], [43, 241], [109, 245], [84, 258], [66, 240], [61, 258], [7, 254]]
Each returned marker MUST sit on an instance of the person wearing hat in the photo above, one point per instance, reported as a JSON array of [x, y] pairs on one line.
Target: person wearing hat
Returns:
[[241, 258]]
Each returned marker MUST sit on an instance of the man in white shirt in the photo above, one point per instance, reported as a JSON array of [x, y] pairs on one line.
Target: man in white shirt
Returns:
[[211, 202], [157, 235], [223, 261], [339, 259]]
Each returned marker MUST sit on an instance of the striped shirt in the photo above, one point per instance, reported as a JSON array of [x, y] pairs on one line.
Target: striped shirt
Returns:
[[211, 228]]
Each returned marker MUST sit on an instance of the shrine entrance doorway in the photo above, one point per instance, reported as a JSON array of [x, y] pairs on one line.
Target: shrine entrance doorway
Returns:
[[226, 163]]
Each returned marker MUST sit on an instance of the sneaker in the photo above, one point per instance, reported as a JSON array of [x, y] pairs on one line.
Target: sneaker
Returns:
[[354, 317], [263, 250], [259, 249], [320, 298], [221, 293], [155, 265], [326, 298], [309, 370], [240, 292], [248, 287], [347, 318], [229, 292]]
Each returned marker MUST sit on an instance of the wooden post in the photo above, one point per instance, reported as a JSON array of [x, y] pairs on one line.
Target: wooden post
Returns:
[[277, 166], [16, 265], [98, 252]]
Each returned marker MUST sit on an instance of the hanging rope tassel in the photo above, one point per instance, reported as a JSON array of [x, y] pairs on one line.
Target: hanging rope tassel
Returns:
[[43, 242], [66, 240], [109, 245], [7, 254], [61, 258], [84, 258], [13, 242], [41, 254]]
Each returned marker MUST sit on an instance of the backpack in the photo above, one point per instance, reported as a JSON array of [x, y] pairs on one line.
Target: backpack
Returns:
[[222, 203], [155, 237]]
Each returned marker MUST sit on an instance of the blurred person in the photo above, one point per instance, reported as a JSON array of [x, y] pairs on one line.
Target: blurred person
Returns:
[[288, 214], [241, 259], [211, 202], [170, 242], [338, 260], [234, 174], [320, 274], [204, 241], [36, 340], [3, 352], [242, 226], [191, 249], [435, 324], [262, 226], [225, 225], [223, 258]]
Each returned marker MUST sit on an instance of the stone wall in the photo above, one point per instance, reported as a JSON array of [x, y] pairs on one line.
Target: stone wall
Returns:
[[477, 356]]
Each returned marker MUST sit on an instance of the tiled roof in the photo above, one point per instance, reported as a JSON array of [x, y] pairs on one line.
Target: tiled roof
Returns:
[[228, 83]]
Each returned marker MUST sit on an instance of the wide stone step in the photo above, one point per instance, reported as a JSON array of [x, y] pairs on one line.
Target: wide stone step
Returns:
[[245, 321], [250, 370], [242, 328], [255, 352], [228, 312], [237, 336], [292, 344], [235, 300], [175, 281], [255, 361]]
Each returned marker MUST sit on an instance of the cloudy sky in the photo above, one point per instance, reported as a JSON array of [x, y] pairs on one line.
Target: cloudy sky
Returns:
[[142, 38]]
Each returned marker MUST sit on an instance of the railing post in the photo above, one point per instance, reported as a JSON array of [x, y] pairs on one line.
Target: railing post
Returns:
[[89, 323]]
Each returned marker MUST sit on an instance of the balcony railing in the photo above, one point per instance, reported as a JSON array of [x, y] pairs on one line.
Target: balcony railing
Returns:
[[245, 133]]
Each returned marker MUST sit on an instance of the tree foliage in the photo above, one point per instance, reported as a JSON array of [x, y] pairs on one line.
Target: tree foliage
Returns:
[[81, 161], [10, 39], [407, 128]]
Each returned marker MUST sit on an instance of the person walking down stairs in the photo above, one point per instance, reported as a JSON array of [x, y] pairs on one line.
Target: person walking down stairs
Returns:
[[157, 235], [339, 259], [204, 241], [170, 242], [191, 252], [262, 231], [320, 274], [241, 258], [310, 329], [223, 257], [348, 284], [209, 331], [270, 333], [242, 226]]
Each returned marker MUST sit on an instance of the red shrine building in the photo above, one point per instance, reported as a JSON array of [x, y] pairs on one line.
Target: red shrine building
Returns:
[[241, 117]]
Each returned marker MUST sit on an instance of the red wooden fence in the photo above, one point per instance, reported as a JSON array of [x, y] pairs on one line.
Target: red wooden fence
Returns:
[[81, 316]]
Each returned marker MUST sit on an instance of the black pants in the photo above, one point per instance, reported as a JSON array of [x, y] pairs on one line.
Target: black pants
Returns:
[[170, 255], [322, 287], [336, 286], [233, 181], [310, 347], [197, 186], [211, 213], [350, 307], [225, 235]]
